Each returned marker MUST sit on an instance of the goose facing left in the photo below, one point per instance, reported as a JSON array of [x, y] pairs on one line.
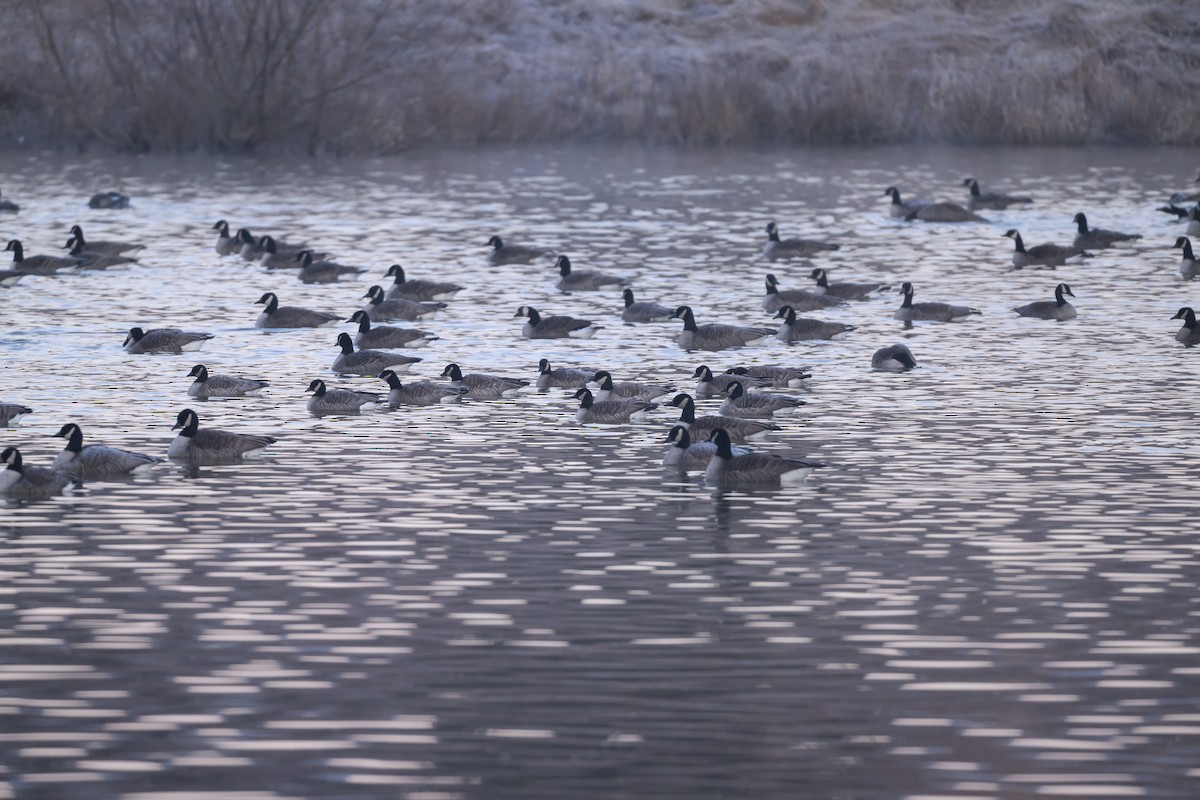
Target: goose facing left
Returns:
[[164, 340], [9, 207], [326, 402], [610, 412], [31, 483], [38, 265], [777, 248], [804, 329], [683, 454], [1099, 238], [844, 290], [1056, 309], [387, 336], [96, 460], [277, 316], [929, 312], [643, 310], [210, 445], [583, 280], [368, 362], [716, 336], [206, 385], [482, 386], [1187, 265], [755, 405], [555, 326], [995, 200], [1189, 334], [419, 290], [728, 469], [420, 393], [382, 309], [111, 248]]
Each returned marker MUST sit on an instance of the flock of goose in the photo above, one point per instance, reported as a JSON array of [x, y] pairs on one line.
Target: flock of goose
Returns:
[[712, 443]]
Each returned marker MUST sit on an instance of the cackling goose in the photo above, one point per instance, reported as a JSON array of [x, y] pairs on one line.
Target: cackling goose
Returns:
[[1056, 309], [1098, 238], [714, 335], [38, 265], [611, 412], [1189, 334], [800, 299], [583, 280], [368, 362], [12, 413], [561, 378], [96, 460], [327, 402], [554, 327], [1186, 197], [513, 253], [996, 200], [929, 312], [777, 248], [1042, 255], [109, 200], [483, 386], [628, 390], [31, 483], [643, 310], [164, 340], [779, 377], [803, 329], [312, 271], [1187, 265], [206, 385], [943, 211], [729, 469], [740, 429], [382, 309], [897, 358], [108, 248], [755, 405], [420, 393], [385, 336], [211, 446], [710, 385], [277, 316], [272, 255], [684, 454], [900, 209], [845, 291], [418, 290], [226, 245]]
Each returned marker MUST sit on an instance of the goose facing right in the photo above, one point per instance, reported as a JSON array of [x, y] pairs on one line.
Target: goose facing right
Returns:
[[326, 402], [387, 336], [1099, 238], [900, 209], [1188, 267], [929, 312], [368, 362], [12, 413], [226, 245], [420, 393], [1189, 334], [31, 483], [610, 412], [513, 253], [803, 329], [164, 340], [277, 316], [209, 445], [897, 358], [206, 385], [96, 460], [554, 327], [1056, 309], [1042, 255], [994, 200], [643, 310], [714, 335], [729, 469]]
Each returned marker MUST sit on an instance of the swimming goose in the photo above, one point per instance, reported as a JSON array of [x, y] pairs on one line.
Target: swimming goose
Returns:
[[96, 460], [108, 248], [385, 336], [1098, 238], [1179, 212], [643, 310], [561, 378], [211, 446], [777, 248], [483, 386], [91, 260], [206, 385], [108, 200], [1189, 334], [900, 209], [684, 454], [226, 245], [31, 483], [327, 402], [755, 405], [1056, 309], [323, 271], [9, 207], [897, 358], [38, 265], [710, 385], [610, 412], [164, 340], [584, 280], [714, 335], [943, 211], [277, 316], [513, 253], [1186, 197], [420, 393], [729, 469], [382, 309], [929, 312], [1187, 265], [9, 277], [368, 362], [799, 299], [1193, 226], [12, 413], [273, 255], [740, 429], [419, 290], [1042, 255], [778, 377], [628, 390], [554, 327], [845, 291], [994, 200], [803, 329]]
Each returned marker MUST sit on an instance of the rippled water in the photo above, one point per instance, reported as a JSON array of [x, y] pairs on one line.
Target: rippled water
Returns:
[[988, 593]]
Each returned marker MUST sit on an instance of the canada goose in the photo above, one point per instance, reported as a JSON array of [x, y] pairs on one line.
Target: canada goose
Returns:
[[420, 393], [277, 316], [327, 402], [561, 378], [1042, 255], [385, 336], [684, 454], [483, 386], [90, 260], [1187, 265], [1098, 238], [729, 469], [755, 405], [368, 362], [710, 385], [929, 312], [9, 207], [610, 412], [109, 200], [96, 460], [513, 253], [211, 446], [273, 255], [628, 390], [714, 335], [643, 310], [778, 377], [994, 200], [30, 483], [943, 211], [10, 277], [418, 290], [12, 413], [164, 340], [900, 209], [803, 329], [1179, 212], [247, 244], [799, 299], [206, 385], [777, 248], [38, 265], [583, 280], [845, 291], [1193, 226], [1056, 309], [554, 327], [226, 245], [323, 271], [1189, 334], [108, 248], [382, 309], [897, 358], [740, 428]]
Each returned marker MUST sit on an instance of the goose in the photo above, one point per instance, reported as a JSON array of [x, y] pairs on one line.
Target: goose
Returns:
[[1042, 255], [211, 446], [1098, 238], [710, 385], [755, 405], [740, 429], [9, 207], [1179, 212], [109, 200], [799, 299], [91, 260], [978, 199], [897, 358], [206, 385], [31, 483], [483, 386], [583, 280], [643, 310], [10, 277], [327, 402], [628, 390], [38, 265], [385, 336], [943, 211], [368, 362], [684, 454], [164, 340], [554, 327], [777, 248], [900, 209], [1187, 265], [1056, 309], [247, 244], [382, 309], [420, 393], [513, 253], [108, 248], [273, 255], [1189, 334], [729, 469], [1186, 197], [277, 316], [844, 291], [778, 377], [714, 335], [610, 412], [561, 378], [929, 312], [226, 245], [803, 329], [419, 290], [323, 271], [1193, 226], [12, 413], [96, 460]]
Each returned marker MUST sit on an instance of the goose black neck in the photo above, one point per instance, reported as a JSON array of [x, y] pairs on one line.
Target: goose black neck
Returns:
[[628, 295], [453, 372], [192, 426], [18, 251], [822, 279], [1187, 250], [689, 320], [544, 367], [78, 232], [721, 439], [1081, 223], [201, 373], [398, 272], [908, 296], [320, 389], [1058, 296], [393, 381], [272, 305], [736, 390], [683, 439], [14, 456], [374, 295], [364, 323], [974, 188], [772, 288], [1189, 319], [346, 343], [606, 383], [687, 411], [586, 399], [75, 440], [790, 317], [564, 266], [773, 233], [1020, 244]]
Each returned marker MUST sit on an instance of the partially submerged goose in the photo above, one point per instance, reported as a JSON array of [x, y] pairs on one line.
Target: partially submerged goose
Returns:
[[554, 327], [729, 469], [929, 312], [209, 445], [164, 340], [716, 336], [1056, 309], [206, 385], [12, 413], [109, 200], [96, 460], [897, 358]]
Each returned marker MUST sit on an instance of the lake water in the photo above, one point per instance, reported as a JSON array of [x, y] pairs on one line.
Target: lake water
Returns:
[[990, 591]]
